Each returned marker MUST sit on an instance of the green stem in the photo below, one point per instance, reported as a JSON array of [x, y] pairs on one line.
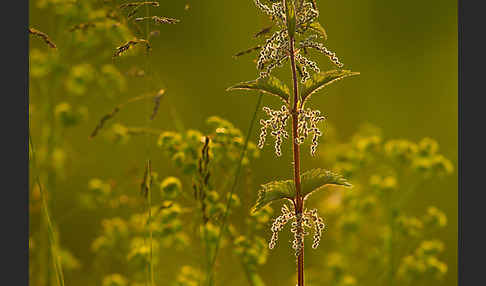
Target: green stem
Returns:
[[49, 225], [391, 226], [147, 149], [233, 188], [50, 178], [149, 220], [253, 278], [152, 278]]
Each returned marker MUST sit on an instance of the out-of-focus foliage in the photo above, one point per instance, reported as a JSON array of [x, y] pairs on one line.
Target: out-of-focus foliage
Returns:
[[192, 200], [372, 220], [75, 64], [93, 186]]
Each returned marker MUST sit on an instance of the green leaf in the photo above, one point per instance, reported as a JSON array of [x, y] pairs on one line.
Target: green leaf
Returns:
[[317, 179], [290, 15], [274, 191], [317, 27], [322, 79], [312, 181], [269, 85]]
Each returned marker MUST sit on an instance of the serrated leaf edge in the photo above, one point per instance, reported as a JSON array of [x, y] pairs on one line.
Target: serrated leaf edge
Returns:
[[307, 96], [261, 195], [244, 86]]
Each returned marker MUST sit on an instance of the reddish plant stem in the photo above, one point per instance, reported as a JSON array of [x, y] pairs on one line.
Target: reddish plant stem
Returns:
[[299, 204]]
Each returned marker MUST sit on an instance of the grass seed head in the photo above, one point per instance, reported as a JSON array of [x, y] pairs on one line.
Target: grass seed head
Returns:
[[123, 48], [43, 36], [158, 20]]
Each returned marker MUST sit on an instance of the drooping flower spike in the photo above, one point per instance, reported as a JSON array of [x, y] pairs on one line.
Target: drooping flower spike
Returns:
[[276, 49], [308, 219], [307, 125]]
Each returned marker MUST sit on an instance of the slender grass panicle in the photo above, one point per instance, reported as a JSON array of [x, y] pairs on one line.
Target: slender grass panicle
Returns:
[[157, 100], [156, 97], [247, 51], [263, 31], [201, 182], [135, 6], [139, 4], [123, 48], [43, 36], [147, 180], [83, 26], [158, 20]]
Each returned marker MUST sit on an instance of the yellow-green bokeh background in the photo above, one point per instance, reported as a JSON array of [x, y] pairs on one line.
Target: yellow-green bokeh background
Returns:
[[406, 52]]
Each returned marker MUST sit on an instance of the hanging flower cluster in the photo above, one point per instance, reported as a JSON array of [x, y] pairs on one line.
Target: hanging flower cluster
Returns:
[[307, 125], [307, 219], [279, 223], [277, 122], [308, 43], [308, 120], [276, 49]]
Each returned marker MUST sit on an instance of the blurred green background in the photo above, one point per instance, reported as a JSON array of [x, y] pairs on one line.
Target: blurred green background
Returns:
[[406, 52]]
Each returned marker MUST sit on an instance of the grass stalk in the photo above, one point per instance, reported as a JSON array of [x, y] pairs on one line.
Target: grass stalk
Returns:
[[53, 245], [152, 276], [252, 277], [390, 244], [52, 239], [47, 225], [147, 144], [210, 273]]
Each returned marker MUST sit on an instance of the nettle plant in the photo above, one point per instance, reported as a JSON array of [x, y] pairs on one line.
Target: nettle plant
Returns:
[[297, 30], [388, 174]]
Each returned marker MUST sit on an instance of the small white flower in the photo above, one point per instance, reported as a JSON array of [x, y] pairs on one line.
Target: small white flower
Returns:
[[276, 49], [307, 219], [278, 123], [307, 124], [308, 43]]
